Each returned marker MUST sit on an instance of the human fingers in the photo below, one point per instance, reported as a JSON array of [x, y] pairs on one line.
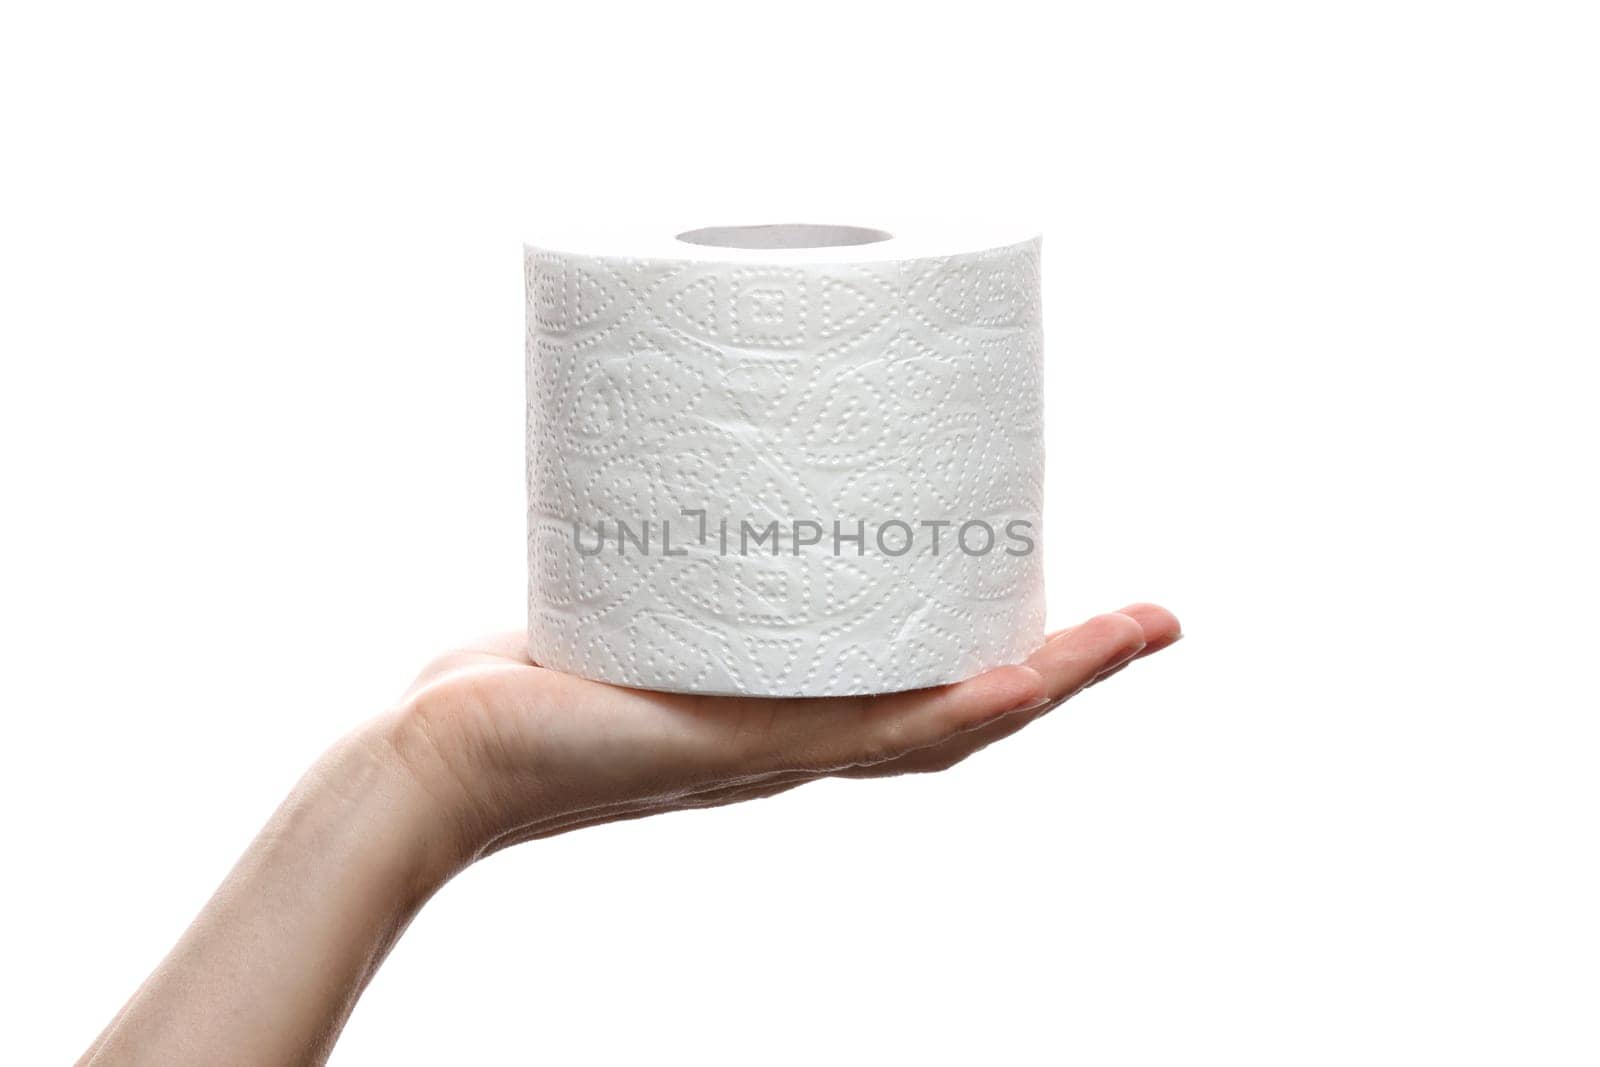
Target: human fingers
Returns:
[[1070, 661], [1161, 628]]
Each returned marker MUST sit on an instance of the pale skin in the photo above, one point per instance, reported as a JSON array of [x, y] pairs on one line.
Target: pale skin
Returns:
[[487, 750]]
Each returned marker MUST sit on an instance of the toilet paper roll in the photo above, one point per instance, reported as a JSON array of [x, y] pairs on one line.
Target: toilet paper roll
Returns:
[[784, 460]]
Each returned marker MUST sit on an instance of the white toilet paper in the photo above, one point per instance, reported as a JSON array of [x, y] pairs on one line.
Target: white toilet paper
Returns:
[[784, 460]]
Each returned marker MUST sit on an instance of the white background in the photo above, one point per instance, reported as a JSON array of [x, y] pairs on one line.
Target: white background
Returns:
[[1321, 290]]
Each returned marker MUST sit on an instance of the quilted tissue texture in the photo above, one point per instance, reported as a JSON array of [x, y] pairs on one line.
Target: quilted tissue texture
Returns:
[[859, 406]]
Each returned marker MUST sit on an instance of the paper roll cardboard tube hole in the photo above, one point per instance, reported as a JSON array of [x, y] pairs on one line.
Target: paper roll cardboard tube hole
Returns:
[[783, 235]]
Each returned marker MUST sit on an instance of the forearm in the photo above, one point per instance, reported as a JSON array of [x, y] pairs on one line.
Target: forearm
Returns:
[[269, 971]]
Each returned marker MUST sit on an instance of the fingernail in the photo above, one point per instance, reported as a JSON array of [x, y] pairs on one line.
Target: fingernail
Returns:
[[1032, 705]]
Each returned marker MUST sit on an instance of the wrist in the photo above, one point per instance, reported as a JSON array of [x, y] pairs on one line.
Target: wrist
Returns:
[[418, 823], [438, 780]]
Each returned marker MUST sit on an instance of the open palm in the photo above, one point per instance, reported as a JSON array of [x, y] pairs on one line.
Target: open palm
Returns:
[[537, 752]]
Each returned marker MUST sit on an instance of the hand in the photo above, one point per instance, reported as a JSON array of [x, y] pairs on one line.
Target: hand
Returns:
[[487, 750], [523, 752]]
